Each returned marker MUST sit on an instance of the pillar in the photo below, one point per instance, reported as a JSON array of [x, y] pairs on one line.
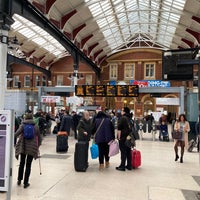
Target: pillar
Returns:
[[3, 64]]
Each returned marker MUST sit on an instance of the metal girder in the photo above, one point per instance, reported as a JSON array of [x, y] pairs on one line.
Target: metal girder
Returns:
[[12, 59], [27, 10]]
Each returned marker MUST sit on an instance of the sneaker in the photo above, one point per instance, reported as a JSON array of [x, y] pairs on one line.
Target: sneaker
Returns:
[[26, 185]]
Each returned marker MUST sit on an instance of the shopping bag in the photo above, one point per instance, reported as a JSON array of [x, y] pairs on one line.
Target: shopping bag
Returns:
[[94, 150], [113, 148]]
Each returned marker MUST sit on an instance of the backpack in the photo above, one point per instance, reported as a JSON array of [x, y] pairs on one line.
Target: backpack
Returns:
[[133, 129], [29, 131]]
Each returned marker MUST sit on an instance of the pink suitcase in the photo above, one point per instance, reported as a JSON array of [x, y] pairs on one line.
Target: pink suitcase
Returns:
[[136, 158]]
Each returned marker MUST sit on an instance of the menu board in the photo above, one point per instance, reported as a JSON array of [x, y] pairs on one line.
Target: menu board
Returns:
[[107, 90]]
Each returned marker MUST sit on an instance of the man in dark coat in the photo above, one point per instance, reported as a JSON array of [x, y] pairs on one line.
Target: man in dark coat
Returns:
[[122, 132]]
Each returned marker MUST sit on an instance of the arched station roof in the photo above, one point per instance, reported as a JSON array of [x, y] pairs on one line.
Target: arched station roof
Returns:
[[100, 28]]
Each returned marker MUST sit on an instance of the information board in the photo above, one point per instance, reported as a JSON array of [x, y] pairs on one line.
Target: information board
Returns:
[[6, 146], [107, 90]]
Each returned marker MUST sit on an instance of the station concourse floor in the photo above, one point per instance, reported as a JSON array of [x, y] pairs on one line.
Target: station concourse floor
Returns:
[[158, 178]]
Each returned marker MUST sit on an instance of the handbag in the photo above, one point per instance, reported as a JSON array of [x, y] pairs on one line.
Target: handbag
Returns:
[[94, 150], [177, 134], [113, 148]]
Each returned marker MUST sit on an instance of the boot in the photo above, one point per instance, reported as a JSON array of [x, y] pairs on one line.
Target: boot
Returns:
[[101, 167], [177, 157], [107, 164], [181, 160]]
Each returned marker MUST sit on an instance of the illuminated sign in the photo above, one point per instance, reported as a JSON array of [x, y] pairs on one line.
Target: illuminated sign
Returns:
[[80, 90], [122, 90], [90, 90], [110, 90], [100, 90], [107, 90]]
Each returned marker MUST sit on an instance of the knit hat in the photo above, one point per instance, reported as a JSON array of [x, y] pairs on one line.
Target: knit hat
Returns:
[[126, 110]]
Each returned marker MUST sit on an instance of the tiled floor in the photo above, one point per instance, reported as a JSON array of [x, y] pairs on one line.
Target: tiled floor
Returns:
[[158, 178]]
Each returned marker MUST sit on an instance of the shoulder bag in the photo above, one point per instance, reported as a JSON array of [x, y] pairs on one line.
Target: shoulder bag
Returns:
[[177, 135]]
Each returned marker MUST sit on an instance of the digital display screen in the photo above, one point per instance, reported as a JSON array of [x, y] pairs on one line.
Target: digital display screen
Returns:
[[90, 90], [122, 90], [107, 90], [133, 91], [100, 90], [80, 90], [110, 90]]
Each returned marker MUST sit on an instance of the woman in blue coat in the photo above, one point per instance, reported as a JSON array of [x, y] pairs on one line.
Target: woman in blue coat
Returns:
[[103, 134]]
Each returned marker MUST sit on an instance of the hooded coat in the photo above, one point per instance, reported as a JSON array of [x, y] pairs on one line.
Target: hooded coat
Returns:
[[27, 146]]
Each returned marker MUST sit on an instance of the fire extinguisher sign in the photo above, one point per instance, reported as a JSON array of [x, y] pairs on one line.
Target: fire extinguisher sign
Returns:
[[6, 146]]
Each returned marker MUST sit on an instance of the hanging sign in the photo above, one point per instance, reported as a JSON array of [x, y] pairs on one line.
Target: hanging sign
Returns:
[[50, 99]]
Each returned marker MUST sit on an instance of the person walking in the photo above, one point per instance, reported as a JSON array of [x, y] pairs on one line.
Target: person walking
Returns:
[[103, 132], [183, 126], [84, 129], [66, 122], [122, 132], [27, 149]]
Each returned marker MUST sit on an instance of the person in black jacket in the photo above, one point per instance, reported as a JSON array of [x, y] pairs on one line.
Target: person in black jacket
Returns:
[[84, 129], [123, 131], [103, 132]]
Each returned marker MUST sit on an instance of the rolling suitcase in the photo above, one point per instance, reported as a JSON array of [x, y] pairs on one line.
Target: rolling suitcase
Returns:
[[136, 158], [191, 145], [61, 143], [81, 156]]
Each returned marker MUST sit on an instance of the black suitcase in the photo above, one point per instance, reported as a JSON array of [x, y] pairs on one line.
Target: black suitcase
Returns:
[[81, 156], [62, 143], [191, 145]]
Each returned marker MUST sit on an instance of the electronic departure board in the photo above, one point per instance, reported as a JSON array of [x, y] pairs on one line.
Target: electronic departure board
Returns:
[[107, 90], [90, 90], [100, 90], [111, 90]]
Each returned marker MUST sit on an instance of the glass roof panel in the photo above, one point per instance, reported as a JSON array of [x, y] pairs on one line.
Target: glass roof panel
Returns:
[[37, 35], [135, 16]]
